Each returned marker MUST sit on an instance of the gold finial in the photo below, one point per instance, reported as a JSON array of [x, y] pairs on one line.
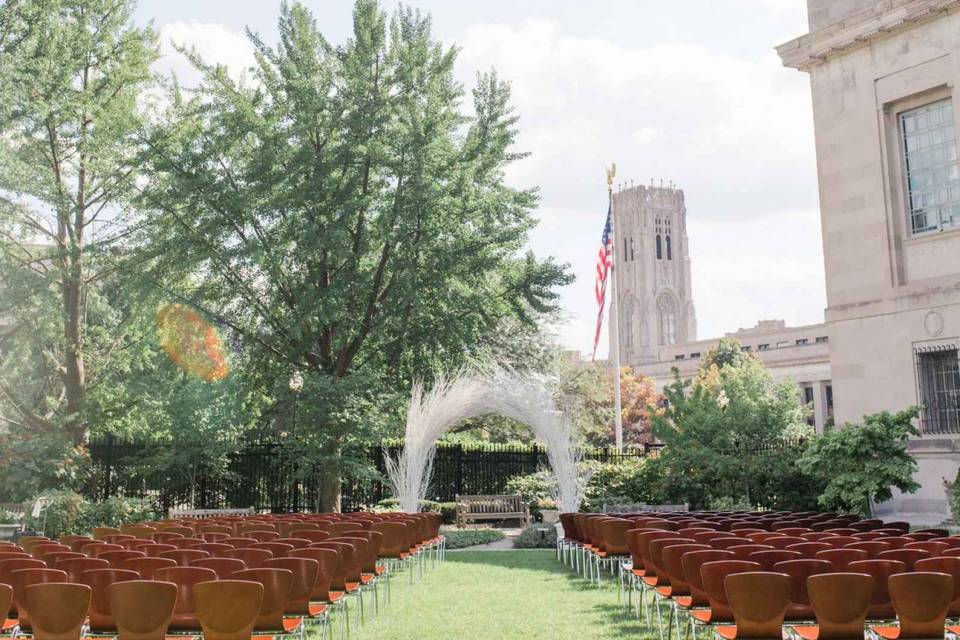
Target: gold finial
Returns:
[[611, 173]]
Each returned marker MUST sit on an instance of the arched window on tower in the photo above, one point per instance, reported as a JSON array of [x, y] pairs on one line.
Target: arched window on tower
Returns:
[[668, 224], [631, 249], [658, 226], [659, 248], [624, 249], [669, 249], [667, 320]]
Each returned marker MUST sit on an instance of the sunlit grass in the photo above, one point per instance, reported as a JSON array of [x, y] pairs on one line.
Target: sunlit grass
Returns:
[[497, 595]]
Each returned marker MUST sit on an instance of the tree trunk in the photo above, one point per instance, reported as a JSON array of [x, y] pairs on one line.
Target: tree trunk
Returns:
[[330, 491]]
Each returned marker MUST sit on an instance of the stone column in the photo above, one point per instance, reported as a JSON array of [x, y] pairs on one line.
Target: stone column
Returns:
[[819, 404]]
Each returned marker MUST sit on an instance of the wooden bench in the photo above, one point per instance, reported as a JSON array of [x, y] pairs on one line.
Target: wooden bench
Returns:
[[477, 508]]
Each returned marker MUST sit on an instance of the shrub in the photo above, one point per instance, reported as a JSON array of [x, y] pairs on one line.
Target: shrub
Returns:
[[641, 482], [953, 496], [463, 538], [392, 504], [115, 511], [449, 512], [535, 537], [535, 489], [67, 512]]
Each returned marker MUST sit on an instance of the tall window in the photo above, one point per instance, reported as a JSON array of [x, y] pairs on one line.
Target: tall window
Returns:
[[624, 249], [631, 249], [938, 373], [659, 248], [930, 165], [667, 314], [627, 329], [669, 249]]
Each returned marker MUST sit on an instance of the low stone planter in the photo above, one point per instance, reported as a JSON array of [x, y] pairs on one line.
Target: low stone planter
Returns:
[[7, 531], [550, 516]]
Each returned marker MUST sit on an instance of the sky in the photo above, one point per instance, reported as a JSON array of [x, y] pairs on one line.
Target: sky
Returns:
[[689, 91]]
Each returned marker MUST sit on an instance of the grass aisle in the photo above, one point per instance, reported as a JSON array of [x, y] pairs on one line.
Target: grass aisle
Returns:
[[501, 595]]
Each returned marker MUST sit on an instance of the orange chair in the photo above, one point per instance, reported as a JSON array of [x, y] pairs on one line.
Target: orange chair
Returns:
[[305, 572], [117, 558], [6, 602], [278, 549], [872, 547], [921, 601], [10, 555], [99, 533], [933, 547], [743, 551], [326, 560], [809, 549], [881, 607], [782, 542], [94, 549], [186, 579], [147, 568], [276, 596], [164, 537], [223, 567], [38, 550], [261, 535], [186, 542], [759, 601], [215, 549], [57, 609], [841, 602], [238, 543], [23, 578], [56, 556], [142, 609], [252, 558], [228, 609]]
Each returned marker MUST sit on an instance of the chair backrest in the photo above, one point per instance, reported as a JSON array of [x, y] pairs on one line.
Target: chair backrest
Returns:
[[327, 560], [841, 602], [714, 575], [766, 559], [116, 558], [841, 558], [10, 555], [23, 578], [147, 568], [99, 533], [55, 557], [613, 531], [656, 548], [276, 594], [949, 565], [933, 547], [142, 609], [99, 581], [164, 537], [809, 549], [921, 600], [278, 549], [393, 535], [759, 601], [783, 542], [186, 542], [228, 609], [223, 567], [239, 543], [881, 570], [6, 598], [186, 579], [10, 565], [184, 557], [743, 551], [799, 571], [304, 572], [253, 558], [908, 557], [58, 609], [39, 550]]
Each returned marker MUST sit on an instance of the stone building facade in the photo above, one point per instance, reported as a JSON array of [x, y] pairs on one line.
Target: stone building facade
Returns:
[[883, 76], [652, 270]]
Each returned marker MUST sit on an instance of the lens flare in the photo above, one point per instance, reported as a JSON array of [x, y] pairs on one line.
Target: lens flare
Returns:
[[192, 343]]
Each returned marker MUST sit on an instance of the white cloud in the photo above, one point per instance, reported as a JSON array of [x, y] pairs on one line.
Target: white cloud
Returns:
[[214, 43]]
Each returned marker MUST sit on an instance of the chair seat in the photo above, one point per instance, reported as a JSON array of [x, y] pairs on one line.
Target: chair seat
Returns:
[[8, 624], [702, 615], [381, 569], [291, 624], [890, 633], [727, 631], [334, 596], [684, 601], [366, 578], [352, 587], [639, 572], [954, 630], [808, 632], [651, 581], [316, 609], [664, 592]]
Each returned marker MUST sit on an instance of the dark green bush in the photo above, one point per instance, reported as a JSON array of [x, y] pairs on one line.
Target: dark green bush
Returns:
[[536, 537], [463, 538], [392, 504], [67, 512], [114, 512], [449, 512], [535, 489]]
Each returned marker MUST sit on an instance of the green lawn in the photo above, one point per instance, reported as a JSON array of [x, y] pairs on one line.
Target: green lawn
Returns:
[[501, 595]]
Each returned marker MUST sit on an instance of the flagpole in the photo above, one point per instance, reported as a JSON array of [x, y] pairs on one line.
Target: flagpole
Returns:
[[614, 320]]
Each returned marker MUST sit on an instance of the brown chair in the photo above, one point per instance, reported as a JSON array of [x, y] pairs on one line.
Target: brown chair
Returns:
[[228, 609], [216, 528], [99, 581], [186, 578], [278, 549], [186, 542], [215, 549], [743, 551], [326, 569], [94, 549], [758, 600], [881, 608], [841, 602], [809, 549], [223, 567], [841, 558], [142, 609], [276, 595], [147, 568], [164, 537], [766, 559], [184, 557], [23, 578], [57, 609], [261, 536], [10, 555], [252, 558], [53, 558], [39, 550], [214, 537], [6, 602], [950, 566], [117, 558], [238, 543], [75, 566], [921, 601], [908, 557], [304, 571], [713, 576], [799, 572], [782, 542], [895, 542], [933, 547], [873, 548]]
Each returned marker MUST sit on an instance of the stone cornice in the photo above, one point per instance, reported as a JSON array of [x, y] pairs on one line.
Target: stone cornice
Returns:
[[888, 17]]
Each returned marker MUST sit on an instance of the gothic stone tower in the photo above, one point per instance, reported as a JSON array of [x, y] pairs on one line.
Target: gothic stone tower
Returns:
[[652, 267]]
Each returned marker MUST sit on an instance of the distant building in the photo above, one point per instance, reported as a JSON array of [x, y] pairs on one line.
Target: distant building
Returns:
[[882, 75]]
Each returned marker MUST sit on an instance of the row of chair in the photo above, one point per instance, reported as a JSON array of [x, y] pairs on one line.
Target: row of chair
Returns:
[[295, 580]]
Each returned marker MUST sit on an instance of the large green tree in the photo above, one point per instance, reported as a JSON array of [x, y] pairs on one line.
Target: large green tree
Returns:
[[72, 74], [346, 217]]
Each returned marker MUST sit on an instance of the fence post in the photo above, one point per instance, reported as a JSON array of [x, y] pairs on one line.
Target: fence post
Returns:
[[459, 469], [534, 458]]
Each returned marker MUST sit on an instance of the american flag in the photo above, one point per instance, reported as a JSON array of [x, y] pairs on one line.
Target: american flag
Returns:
[[604, 266]]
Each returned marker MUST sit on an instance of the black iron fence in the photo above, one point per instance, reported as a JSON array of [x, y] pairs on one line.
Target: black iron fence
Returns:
[[268, 476]]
